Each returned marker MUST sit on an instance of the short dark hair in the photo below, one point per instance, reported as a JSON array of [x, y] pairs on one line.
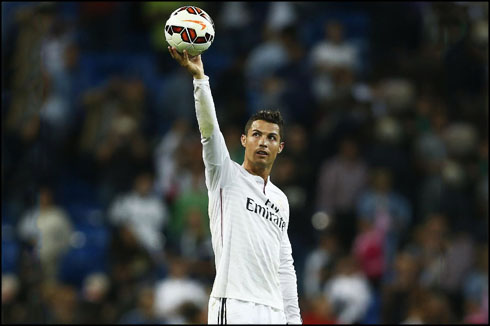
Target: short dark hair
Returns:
[[269, 116]]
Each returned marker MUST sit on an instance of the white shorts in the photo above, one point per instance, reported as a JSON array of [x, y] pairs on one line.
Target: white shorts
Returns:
[[232, 311]]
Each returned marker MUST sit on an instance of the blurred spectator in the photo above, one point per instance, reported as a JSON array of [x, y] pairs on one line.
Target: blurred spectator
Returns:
[[27, 155], [399, 293], [190, 172], [334, 51], [177, 102], [465, 63], [430, 149], [10, 292], [298, 148], [320, 312], [280, 14], [431, 120], [59, 55], [70, 81], [459, 257], [437, 309], [231, 98], [130, 264], [190, 235], [27, 83], [143, 213], [195, 238], [176, 290], [96, 306], [295, 94], [387, 210], [341, 180], [447, 189], [429, 243], [62, 305], [111, 136], [368, 248], [475, 289], [10, 288], [293, 174], [385, 151], [480, 229], [276, 74], [234, 15], [393, 96], [191, 195], [319, 264], [144, 313], [233, 21], [414, 314], [263, 61], [193, 313], [232, 134], [165, 158], [48, 228], [333, 61], [460, 139], [288, 176], [348, 292]]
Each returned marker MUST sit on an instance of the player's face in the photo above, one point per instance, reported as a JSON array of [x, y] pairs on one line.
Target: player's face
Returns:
[[262, 143]]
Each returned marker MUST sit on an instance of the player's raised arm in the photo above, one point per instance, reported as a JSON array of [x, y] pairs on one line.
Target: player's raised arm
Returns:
[[215, 152], [205, 112]]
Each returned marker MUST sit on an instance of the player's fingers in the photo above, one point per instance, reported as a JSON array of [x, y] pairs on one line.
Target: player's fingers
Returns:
[[177, 56], [186, 56], [174, 53], [171, 53]]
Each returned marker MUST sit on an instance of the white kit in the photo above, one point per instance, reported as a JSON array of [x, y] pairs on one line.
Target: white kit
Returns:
[[249, 220]]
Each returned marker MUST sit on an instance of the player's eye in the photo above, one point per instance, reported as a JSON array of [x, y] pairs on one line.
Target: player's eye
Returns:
[[255, 134], [272, 137]]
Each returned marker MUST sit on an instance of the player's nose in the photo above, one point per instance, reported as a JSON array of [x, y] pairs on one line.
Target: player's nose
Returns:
[[263, 142]]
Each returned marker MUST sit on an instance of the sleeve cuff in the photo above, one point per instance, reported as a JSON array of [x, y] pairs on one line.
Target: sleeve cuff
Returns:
[[204, 80]]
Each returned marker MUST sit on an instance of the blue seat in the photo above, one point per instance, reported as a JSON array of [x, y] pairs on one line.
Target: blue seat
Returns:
[[356, 26], [103, 65], [10, 246], [373, 313], [84, 212], [72, 189], [89, 255], [10, 256]]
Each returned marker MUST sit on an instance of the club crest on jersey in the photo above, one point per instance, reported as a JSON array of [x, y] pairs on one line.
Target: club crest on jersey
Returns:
[[269, 212]]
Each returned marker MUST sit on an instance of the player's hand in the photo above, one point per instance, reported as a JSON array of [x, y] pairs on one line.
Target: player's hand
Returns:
[[192, 64]]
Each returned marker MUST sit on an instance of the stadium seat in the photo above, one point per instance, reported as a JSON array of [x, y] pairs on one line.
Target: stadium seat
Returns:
[[88, 254], [10, 256]]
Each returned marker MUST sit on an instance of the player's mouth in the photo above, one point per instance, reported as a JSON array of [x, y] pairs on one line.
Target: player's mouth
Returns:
[[262, 153]]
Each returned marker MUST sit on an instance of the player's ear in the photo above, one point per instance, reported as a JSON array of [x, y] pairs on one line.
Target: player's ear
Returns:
[[281, 147], [243, 139]]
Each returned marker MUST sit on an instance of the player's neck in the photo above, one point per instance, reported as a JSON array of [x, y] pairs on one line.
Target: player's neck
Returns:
[[261, 171]]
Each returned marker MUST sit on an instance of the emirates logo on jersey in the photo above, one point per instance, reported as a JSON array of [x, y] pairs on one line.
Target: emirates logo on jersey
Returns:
[[269, 212]]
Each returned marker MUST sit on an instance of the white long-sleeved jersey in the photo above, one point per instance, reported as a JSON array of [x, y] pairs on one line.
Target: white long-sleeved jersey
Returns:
[[248, 219]]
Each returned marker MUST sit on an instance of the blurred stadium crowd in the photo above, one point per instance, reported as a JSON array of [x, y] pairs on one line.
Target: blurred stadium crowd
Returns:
[[104, 206]]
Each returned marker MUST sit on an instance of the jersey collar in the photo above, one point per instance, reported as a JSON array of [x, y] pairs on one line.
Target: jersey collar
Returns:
[[257, 178]]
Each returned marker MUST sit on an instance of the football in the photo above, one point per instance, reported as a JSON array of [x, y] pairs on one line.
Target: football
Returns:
[[189, 28]]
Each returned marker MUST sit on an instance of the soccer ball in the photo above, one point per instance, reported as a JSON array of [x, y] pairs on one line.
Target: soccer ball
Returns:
[[189, 28]]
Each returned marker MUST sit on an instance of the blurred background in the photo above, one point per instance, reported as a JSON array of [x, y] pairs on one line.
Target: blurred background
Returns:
[[104, 205]]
